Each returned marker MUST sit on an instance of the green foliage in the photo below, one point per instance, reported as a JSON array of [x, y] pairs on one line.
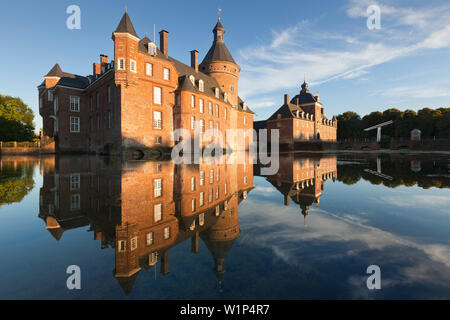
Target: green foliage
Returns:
[[16, 120], [15, 183], [432, 123]]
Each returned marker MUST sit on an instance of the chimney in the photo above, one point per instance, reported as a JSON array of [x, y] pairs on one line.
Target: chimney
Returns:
[[96, 68], [165, 263], [286, 99], [194, 243], [286, 200], [103, 59], [163, 39], [194, 60]]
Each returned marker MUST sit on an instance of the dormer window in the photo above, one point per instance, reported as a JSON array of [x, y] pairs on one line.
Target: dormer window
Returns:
[[216, 92], [225, 97], [201, 85], [191, 77], [152, 49], [244, 106]]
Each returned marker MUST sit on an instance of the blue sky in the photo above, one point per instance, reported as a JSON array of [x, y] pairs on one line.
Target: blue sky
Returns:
[[405, 64]]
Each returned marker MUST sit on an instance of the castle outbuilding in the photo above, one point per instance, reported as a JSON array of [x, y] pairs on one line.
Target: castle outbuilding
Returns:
[[300, 119]]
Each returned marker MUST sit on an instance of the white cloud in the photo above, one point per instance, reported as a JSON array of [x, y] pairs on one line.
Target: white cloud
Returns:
[[281, 63]]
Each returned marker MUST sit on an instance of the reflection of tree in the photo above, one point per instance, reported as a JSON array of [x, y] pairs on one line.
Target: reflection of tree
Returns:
[[432, 173], [349, 174], [15, 182]]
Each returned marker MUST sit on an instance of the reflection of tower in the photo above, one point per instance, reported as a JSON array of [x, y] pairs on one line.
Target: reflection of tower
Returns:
[[220, 237]]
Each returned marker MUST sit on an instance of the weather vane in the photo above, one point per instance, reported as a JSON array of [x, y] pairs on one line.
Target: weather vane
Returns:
[[219, 11]]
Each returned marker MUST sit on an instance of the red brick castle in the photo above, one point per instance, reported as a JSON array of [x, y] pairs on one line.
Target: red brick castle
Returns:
[[137, 100]]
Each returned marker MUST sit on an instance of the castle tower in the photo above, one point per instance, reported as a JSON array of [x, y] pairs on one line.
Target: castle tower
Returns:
[[311, 105], [126, 43], [219, 64]]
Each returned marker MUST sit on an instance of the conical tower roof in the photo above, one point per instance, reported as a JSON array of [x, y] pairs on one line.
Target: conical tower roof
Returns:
[[125, 25], [56, 71], [218, 50]]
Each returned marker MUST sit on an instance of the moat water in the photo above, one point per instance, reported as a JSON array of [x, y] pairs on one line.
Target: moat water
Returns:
[[308, 232]]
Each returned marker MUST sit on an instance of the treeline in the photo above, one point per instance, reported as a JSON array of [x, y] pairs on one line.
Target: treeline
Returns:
[[432, 174], [432, 123], [16, 120]]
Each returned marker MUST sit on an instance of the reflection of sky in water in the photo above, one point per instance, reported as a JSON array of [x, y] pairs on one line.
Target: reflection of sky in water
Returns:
[[403, 230]]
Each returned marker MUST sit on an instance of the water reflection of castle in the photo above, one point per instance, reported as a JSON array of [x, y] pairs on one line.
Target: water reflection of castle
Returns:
[[301, 179], [143, 209]]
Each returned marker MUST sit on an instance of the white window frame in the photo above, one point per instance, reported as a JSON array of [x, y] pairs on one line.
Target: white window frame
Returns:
[[202, 125], [75, 201], [74, 126], [120, 63], [149, 69], [157, 95], [210, 107], [166, 74], [157, 188], [74, 104], [157, 120], [202, 178], [134, 243], [192, 183], [201, 106], [193, 101], [211, 176], [150, 238], [157, 212], [202, 199], [166, 233], [133, 65], [193, 205], [75, 181]]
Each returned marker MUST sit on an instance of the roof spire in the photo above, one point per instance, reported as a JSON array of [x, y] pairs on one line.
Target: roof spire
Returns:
[[126, 26]]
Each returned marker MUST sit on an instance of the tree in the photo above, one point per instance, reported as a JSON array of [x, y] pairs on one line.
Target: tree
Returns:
[[349, 125], [16, 120]]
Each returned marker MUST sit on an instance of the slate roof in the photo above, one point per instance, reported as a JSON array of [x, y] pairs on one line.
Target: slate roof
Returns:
[[209, 83], [218, 50], [286, 111], [125, 26], [56, 71], [304, 96]]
